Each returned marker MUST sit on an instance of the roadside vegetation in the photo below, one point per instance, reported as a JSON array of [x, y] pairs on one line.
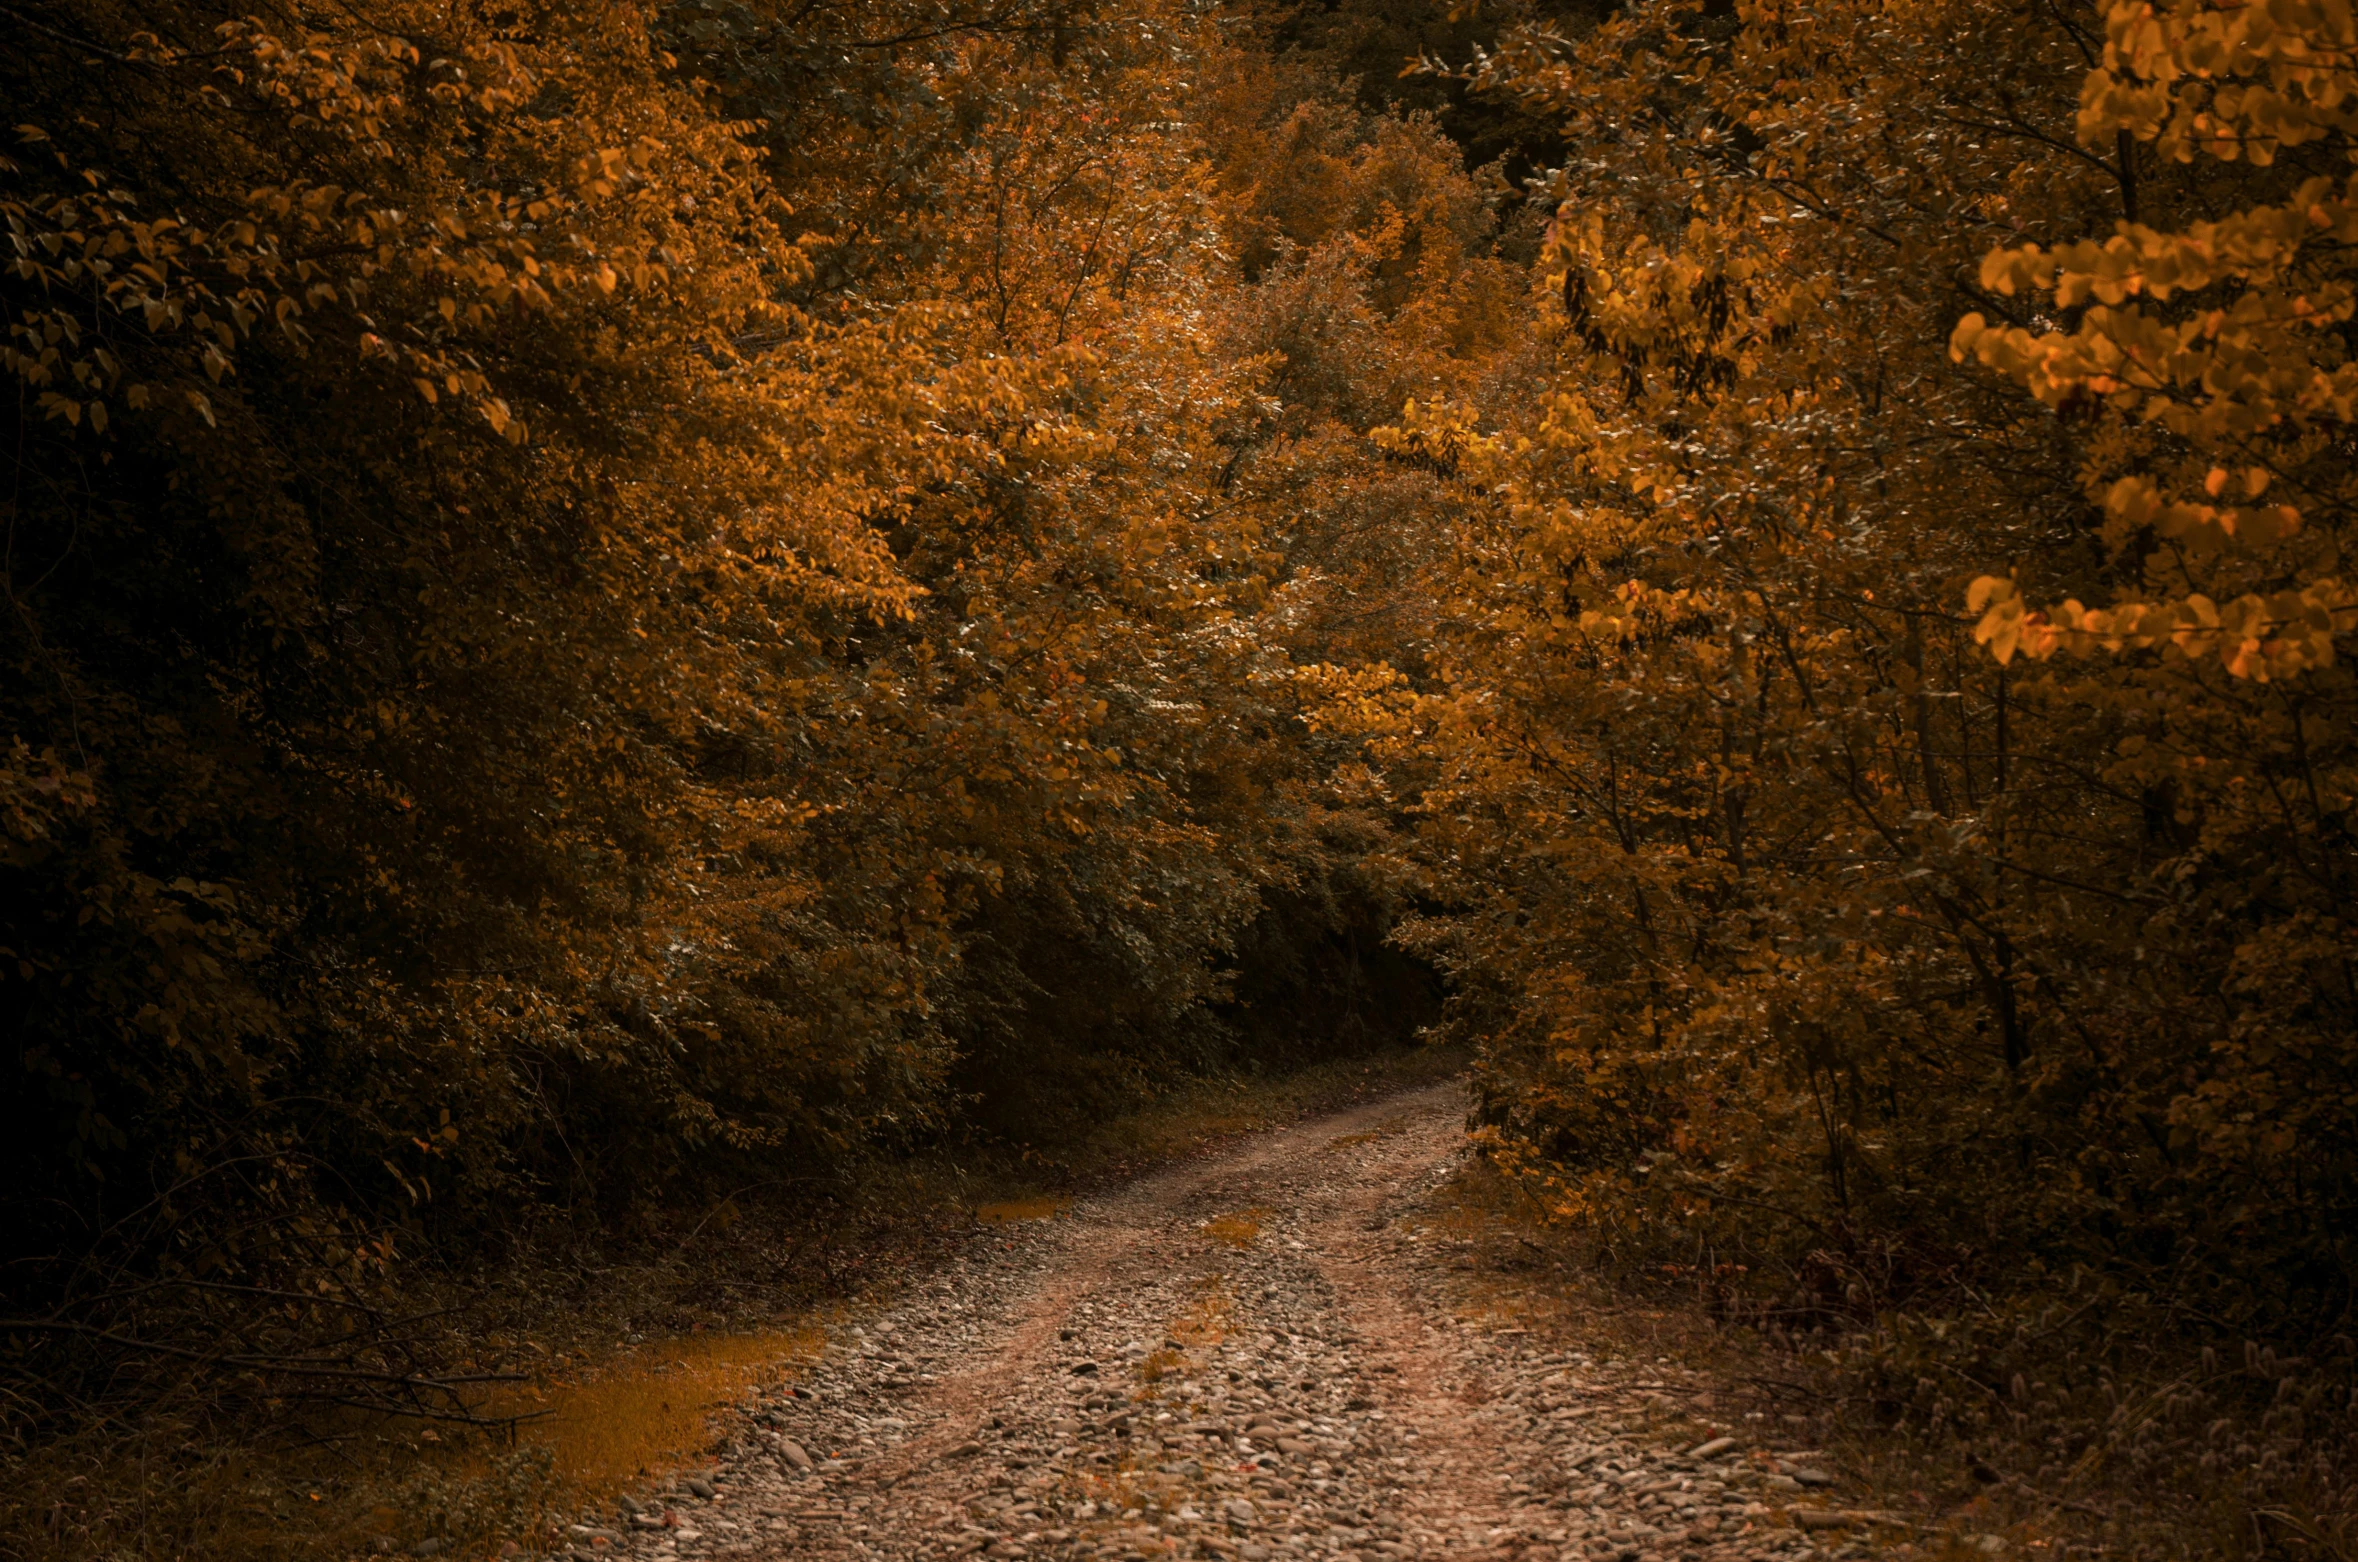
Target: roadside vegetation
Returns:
[[627, 622]]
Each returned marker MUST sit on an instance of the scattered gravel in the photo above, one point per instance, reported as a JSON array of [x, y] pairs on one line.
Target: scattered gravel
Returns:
[[1258, 1356]]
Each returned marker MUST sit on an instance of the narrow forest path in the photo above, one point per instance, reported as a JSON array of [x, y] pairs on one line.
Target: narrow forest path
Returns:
[[1256, 1355]]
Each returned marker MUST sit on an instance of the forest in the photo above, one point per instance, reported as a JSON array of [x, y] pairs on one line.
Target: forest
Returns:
[[609, 602]]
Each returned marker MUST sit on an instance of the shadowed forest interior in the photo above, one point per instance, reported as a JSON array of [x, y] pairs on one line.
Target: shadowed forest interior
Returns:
[[622, 611]]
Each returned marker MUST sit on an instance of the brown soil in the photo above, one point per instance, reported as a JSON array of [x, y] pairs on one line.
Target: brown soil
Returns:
[[1277, 1351]]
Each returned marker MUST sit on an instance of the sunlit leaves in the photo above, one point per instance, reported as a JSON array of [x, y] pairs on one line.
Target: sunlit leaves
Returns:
[[1809, 881], [687, 633]]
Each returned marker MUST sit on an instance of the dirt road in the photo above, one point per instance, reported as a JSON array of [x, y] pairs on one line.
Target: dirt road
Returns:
[[1267, 1354]]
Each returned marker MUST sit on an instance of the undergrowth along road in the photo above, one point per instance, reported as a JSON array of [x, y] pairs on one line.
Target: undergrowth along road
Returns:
[[1276, 1351]]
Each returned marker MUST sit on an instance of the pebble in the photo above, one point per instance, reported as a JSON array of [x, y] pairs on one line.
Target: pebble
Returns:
[[1133, 1381]]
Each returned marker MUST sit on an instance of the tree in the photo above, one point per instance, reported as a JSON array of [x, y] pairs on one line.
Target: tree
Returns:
[[602, 600], [1795, 928]]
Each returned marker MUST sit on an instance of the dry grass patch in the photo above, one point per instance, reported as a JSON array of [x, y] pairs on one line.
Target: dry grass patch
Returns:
[[1209, 1321], [1205, 1324], [1158, 1364], [1240, 1230], [649, 1413]]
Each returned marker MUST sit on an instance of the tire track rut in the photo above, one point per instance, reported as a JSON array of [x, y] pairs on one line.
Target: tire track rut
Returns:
[[1256, 1356]]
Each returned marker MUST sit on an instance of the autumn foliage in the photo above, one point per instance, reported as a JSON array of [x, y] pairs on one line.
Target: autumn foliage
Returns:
[[599, 595], [609, 602], [1890, 742]]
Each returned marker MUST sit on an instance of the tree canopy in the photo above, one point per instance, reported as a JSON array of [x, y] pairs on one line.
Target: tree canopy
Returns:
[[597, 595]]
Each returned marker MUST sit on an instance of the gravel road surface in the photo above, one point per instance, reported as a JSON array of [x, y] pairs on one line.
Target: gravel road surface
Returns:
[[1271, 1353]]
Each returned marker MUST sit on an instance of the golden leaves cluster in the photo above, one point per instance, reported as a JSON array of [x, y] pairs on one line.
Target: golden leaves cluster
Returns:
[[667, 586], [1809, 884]]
